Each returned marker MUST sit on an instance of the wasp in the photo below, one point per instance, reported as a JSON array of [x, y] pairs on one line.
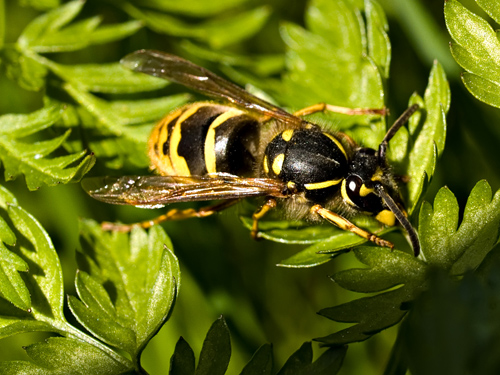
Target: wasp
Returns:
[[248, 147]]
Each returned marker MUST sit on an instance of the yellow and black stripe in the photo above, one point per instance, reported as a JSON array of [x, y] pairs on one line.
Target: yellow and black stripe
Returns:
[[314, 161], [203, 138]]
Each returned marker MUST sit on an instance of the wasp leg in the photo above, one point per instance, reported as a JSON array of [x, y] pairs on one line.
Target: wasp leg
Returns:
[[171, 215], [322, 107], [259, 214], [345, 224]]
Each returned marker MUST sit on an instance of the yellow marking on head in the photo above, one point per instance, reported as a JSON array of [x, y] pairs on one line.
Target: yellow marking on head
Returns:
[[322, 184], [158, 137], [377, 176], [386, 217], [291, 185], [287, 135], [265, 164], [277, 164], [337, 142], [345, 197], [179, 162], [210, 157], [364, 191]]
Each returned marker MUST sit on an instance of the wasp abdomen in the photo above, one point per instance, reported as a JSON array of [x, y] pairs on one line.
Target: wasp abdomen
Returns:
[[315, 162], [204, 138]]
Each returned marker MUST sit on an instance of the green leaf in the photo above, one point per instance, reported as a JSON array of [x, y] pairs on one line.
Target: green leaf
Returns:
[[60, 355], [216, 350], [476, 48], [35, 301], [261, 362], [472, 304], [262, 65], [301, 361], [483, 89], [490, 7], [2, 25], [182, 361], [47, 33], [195, 8], [12, 286], [107, 78], [40, 4], [97, 314], [379, 45], [385, 270], [122, 127], [218, 33], [291, 232], [324, 251], [143, 276], [461, 248], [328, 241], [339, 23], [49, 23], [19, 158], [446, 245], [38, 251], [329, 63], [23, 69], [114, 32], [429, 137]]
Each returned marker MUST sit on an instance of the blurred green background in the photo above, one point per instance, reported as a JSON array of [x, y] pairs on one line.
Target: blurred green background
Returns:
[[224, 270]]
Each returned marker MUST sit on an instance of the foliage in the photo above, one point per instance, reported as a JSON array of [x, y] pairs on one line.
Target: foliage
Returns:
[[110, 267], [476, 48], [90, 110]]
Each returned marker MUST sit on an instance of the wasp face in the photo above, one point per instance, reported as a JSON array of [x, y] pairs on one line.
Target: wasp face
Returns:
[[359, 188]]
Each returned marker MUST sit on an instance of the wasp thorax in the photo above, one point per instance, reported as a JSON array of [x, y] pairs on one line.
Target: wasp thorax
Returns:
[[314, 161]]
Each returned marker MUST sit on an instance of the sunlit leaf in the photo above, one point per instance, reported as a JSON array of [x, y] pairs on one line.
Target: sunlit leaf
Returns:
[[379, 45], [476, 48], [30, 158], [145, 277], [429, 137], [262, 65], [41, 4], [218, 33], [122, 127], [107, 78], [52, 31], [195, 8], [60, 355]]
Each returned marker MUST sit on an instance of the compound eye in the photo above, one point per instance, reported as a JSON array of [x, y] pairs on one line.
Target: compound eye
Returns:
[[353, 187], [361, 195]]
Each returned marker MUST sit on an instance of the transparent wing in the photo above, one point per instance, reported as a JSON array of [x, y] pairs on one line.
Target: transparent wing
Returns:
[[156, 191], [179, 70]]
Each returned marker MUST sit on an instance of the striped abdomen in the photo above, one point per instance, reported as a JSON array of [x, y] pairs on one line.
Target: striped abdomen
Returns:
[[203, 138]]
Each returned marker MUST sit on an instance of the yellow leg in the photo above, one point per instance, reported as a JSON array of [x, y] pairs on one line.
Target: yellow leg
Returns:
[[345, 224], [171, 215], [259, 214], [322, 107]]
